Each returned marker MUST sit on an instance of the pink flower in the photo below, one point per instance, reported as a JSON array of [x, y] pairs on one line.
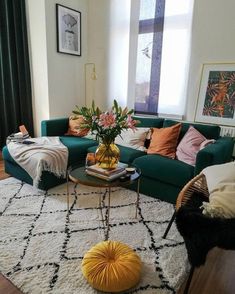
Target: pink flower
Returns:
[[130, 122], [107, 120]]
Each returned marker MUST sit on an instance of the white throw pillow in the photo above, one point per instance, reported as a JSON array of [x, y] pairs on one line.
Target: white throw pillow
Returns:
[[219, 174], [133, 139], [221, 202]]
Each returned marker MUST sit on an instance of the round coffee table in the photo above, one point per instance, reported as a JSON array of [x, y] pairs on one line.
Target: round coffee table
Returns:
[[79, 175]]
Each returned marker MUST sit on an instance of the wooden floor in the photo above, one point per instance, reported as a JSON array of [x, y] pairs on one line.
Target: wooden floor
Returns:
[[216, 277]]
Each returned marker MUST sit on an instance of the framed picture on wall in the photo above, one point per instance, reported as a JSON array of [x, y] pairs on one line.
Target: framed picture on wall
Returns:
[[68, 22], [216, 99]]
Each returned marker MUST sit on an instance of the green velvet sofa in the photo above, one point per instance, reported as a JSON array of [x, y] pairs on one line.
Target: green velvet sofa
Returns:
[[162, 177]]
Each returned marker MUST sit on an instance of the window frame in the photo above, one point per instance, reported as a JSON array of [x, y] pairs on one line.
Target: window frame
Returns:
[[154, 25]]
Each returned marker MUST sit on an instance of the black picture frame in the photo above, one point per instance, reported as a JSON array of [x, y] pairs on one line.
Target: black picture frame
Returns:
[[68, 25]]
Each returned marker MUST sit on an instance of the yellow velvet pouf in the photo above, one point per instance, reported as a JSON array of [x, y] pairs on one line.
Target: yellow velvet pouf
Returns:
[[111, 266]]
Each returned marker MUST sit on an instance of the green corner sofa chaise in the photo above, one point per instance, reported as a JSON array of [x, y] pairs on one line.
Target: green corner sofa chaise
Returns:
[[161, 178]]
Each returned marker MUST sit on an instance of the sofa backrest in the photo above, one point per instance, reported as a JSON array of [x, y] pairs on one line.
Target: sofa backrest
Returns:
[[209, 131], [54, 127], [154, 122]]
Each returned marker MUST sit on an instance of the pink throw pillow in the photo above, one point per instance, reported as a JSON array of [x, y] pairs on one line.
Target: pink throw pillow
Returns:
[[189, 146]]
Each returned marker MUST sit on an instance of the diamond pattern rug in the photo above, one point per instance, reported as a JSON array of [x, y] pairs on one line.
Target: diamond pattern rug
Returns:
[[41, 249]]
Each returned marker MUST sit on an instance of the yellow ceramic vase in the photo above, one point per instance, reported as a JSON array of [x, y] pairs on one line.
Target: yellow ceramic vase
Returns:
[[107, 155]]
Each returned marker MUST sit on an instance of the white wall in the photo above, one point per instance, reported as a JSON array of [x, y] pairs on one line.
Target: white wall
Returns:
[[65, 72], [108, 39], [38, 51], [213, 29], [98, 28], [57, 79], [213, 41]]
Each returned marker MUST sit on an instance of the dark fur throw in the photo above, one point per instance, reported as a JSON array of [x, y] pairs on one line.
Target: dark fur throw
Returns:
[[201, 233]]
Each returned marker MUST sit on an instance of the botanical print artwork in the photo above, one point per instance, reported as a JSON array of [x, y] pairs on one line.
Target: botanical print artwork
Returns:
[[220, 95]]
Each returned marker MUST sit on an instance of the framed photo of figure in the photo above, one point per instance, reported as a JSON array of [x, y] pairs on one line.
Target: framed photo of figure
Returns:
[[68, 23], [216, 99]]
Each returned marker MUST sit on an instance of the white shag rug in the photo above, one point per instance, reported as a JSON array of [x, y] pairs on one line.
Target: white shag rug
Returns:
[[41, 251]]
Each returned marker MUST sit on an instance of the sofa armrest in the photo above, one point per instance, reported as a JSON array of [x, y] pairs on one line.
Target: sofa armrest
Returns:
[[54, 127], [219, 152]]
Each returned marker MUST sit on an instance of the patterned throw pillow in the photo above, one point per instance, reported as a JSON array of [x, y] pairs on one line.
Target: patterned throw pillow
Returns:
[[75, 127], [164, 141], [133, 139]]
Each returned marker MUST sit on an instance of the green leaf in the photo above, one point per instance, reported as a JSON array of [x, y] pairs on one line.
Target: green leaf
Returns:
[[93, 105], [115, 104]]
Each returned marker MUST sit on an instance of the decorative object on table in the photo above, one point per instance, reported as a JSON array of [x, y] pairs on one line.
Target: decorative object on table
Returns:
[[130, 170], [107, 155], [90, 159], [216, 100], [111, 266], [107, 125], [68, 23], [31, 219]]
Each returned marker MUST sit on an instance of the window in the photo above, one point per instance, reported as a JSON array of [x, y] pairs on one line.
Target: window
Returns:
[[162, 56]]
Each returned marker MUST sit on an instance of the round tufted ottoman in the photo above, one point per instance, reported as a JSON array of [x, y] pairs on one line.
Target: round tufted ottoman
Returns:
[[111, 266]]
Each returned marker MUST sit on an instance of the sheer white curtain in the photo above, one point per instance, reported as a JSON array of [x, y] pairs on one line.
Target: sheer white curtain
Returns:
[[175, 57]]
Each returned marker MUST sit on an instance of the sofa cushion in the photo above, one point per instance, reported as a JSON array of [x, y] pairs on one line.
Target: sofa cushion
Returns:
[[164, 141], [189, 146], [164, 169], [219, 174], [77, 148], [75, 127], [209, 131], [133, 139], [127, 155]]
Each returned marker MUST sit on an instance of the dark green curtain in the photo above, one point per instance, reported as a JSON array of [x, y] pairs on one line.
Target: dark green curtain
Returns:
[[15, 82]]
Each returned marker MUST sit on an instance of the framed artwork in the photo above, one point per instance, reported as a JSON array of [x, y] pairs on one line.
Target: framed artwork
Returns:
[[68, 22], [216, 99]]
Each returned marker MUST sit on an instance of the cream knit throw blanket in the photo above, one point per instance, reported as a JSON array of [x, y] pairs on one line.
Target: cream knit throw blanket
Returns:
[[46, 154]]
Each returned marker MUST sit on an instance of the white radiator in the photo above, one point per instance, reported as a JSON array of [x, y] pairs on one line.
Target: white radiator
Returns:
[[227, 131]]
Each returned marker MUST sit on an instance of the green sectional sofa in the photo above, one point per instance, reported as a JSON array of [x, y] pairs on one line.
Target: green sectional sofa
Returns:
[[162, 177]]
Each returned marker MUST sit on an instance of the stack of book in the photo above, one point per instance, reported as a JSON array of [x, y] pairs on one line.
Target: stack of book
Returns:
[[105, 174]]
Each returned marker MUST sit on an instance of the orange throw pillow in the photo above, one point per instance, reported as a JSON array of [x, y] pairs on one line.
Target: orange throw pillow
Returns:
[[164, 141], [75, 128]]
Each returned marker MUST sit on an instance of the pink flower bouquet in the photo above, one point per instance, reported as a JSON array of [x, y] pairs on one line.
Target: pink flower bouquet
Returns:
[[109, 124]]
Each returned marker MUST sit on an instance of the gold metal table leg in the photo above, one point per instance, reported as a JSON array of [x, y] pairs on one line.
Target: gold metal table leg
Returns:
[[68, 194], [108, 213], [100, 208], [138, 198]]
